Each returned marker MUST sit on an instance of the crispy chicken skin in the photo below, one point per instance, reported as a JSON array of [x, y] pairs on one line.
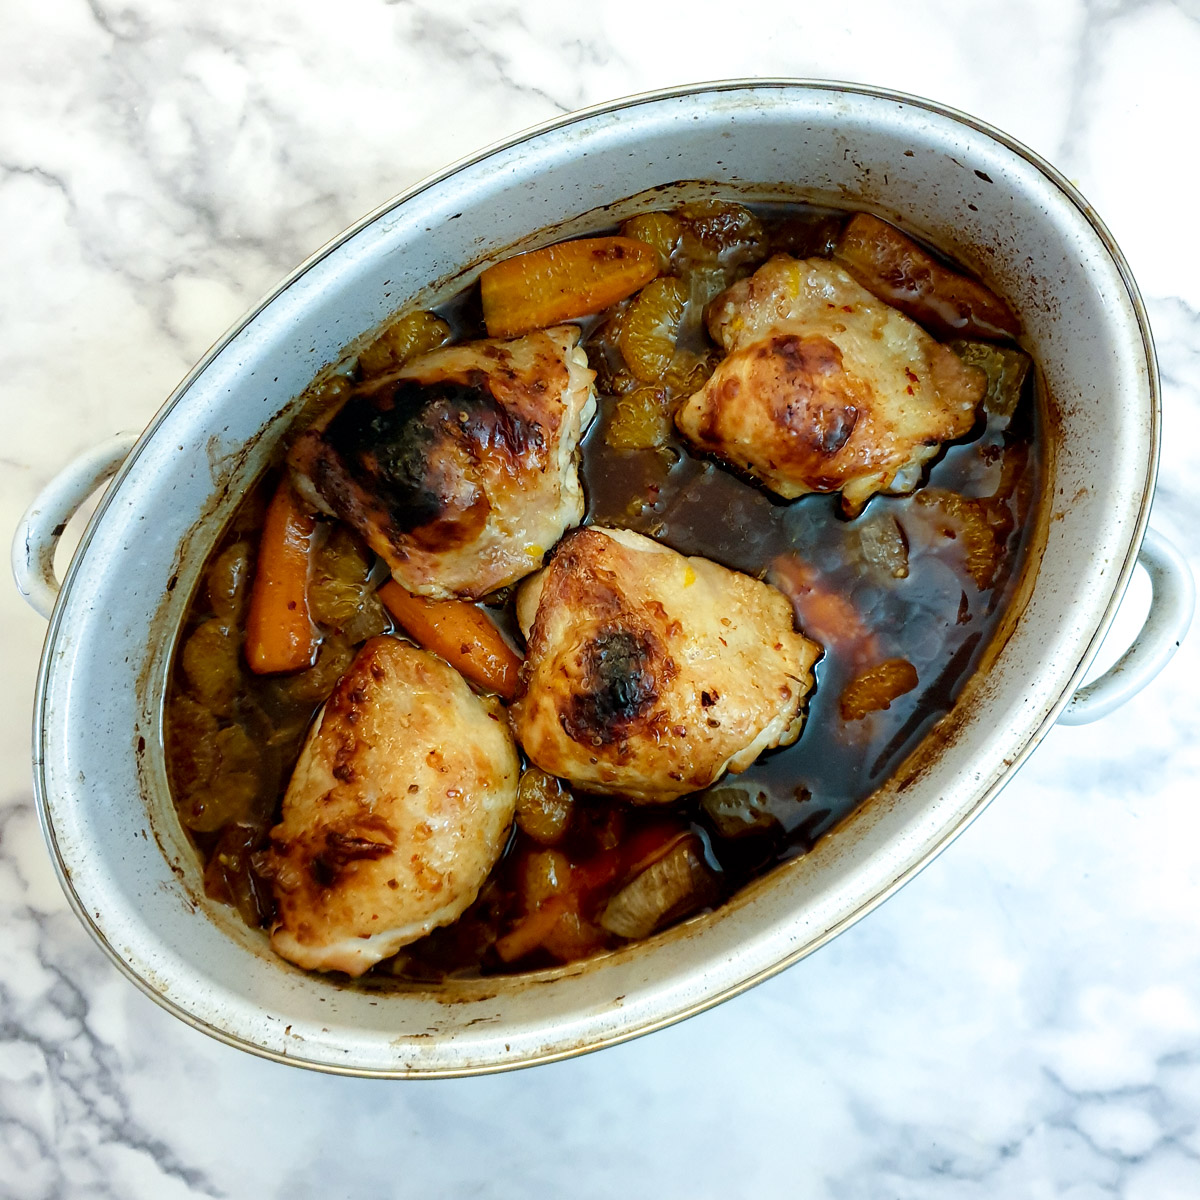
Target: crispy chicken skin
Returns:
[[396, 812], [649, 674], [460, 469], [824, 387]]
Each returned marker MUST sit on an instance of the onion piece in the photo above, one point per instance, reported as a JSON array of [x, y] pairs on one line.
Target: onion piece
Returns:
[[737, 811], [674, 885], [882, 545], [1005, 368]]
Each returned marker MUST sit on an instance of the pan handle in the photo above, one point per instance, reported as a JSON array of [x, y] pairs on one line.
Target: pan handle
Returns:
[[45, 519], [1174, 597]]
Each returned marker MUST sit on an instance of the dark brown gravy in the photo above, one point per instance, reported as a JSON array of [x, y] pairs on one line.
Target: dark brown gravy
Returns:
[[937, 618]]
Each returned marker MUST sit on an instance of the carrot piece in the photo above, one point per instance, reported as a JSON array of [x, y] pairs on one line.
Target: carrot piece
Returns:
[[561, 282], [635, 854], [528, 934], [822, 614], [597, 872], [461, 633], [650, 844], [279, 631], [893, 267]]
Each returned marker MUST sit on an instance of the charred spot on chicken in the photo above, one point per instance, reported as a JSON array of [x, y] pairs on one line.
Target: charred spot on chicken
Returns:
[[618, 685]]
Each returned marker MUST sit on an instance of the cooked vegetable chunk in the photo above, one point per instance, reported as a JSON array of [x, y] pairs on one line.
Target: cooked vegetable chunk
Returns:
[[228, 582], [739, 812], [658, 229], [882, 546], [552, 894], [967, 523], [406, 337], [1006, 369], [650, 674], [678, 883], [641, 420], [340, 595], [544, 806], [462, 633], [279, 632], [210, 665], [460, 469], [215, 770], [397, 810], [900, 273], [712, 228], [824, 388], [562, 282]]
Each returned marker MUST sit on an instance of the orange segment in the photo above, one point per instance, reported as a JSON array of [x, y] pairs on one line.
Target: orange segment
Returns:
[[876, 688]]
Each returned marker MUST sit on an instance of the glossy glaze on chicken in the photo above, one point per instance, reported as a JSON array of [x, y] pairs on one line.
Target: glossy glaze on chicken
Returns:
[[374, 851], [688, 572], [824, 388], [648, 674], [459, 470]]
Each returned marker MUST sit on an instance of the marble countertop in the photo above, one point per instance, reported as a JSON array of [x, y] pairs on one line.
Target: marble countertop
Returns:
[[1022, 1020]]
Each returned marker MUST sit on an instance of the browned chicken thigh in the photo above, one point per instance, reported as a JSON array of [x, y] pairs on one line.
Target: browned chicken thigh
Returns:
[[826, 388], [650, 674], [460, 469], [397, 810]]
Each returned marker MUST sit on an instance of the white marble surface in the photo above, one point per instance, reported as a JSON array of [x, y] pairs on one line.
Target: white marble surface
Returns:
[[1023, 1020]]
